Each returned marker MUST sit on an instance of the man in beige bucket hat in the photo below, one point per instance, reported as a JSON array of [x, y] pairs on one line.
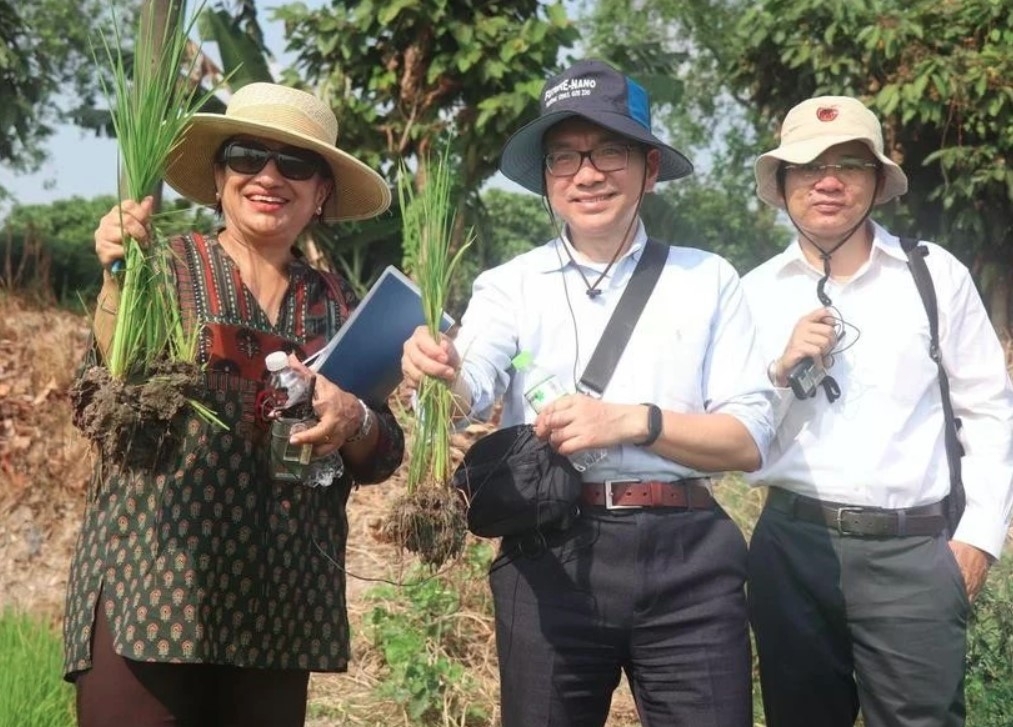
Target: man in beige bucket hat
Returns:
[[860, 572]]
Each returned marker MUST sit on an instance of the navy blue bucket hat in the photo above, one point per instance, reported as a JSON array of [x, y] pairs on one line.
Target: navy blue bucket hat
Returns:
[[595, 91]]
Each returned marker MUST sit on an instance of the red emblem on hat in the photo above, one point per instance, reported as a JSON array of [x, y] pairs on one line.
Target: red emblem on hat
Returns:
[[826, 113]]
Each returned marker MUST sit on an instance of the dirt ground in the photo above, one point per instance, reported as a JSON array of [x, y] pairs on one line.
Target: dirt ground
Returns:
[[44, 467]]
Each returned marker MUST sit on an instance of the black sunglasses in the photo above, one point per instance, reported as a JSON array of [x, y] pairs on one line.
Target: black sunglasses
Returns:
[[249, 157]]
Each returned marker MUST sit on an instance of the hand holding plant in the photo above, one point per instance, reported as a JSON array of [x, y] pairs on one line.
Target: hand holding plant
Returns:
[[430, 519]]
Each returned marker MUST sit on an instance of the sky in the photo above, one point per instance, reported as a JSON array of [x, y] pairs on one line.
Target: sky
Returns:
[[82, 164]]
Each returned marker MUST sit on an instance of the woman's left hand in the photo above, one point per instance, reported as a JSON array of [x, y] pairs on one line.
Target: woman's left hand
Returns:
[[339, 414]]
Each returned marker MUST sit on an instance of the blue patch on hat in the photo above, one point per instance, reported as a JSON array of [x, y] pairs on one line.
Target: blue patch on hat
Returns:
[[638, 103]]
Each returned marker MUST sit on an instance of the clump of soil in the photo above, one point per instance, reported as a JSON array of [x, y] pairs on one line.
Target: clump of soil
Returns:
[[133, 421], [430, 522]]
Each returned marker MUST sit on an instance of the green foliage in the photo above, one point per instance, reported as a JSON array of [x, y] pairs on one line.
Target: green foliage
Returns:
[[721, 217], [426, 640], [677, 50], [512, 223], [240, 44], [508, 223], [53, 244], [31, 690], [989, 685], [44, 57], [401, 74], [937, 74]]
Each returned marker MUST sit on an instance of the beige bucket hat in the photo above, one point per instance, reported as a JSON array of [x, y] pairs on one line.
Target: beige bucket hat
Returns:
[[817, 124], [286, 115]]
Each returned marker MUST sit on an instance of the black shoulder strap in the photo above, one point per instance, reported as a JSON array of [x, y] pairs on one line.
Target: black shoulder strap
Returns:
[[624, 318], [954, 449]]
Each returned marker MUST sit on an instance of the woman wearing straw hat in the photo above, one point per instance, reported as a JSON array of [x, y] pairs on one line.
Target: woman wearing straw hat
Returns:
[[859, 581], [202, 591]]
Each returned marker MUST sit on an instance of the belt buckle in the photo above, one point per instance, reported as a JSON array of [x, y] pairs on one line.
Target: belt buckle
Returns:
[[840, 514], [610, 494]]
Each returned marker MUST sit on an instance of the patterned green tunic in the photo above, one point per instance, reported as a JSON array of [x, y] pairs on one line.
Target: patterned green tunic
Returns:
[[206, 559]]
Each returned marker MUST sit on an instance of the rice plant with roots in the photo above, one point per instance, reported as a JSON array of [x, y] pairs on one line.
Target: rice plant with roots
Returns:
[[150, 365], [429, 519]]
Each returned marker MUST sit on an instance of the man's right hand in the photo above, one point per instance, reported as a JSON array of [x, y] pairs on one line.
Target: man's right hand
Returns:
[[425, 356], [814, 336], [127, 219]]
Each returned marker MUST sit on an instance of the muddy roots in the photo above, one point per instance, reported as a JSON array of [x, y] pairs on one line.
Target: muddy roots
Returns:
[[133, 423], [430, 522]]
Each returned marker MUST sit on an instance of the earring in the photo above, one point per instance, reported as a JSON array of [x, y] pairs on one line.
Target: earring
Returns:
[[218, 196], [320, 209]]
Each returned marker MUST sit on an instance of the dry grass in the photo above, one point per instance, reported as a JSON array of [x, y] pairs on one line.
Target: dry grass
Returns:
[[43, 462]]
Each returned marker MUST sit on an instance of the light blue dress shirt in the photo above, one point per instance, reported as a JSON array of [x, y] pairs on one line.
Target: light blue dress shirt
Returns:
[[694, 348]]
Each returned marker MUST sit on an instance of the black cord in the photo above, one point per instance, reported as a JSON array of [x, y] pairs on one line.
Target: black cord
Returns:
[[592, 290]]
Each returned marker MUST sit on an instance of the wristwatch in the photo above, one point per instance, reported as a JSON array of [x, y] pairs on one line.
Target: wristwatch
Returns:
[[365, 427], [654, 424]]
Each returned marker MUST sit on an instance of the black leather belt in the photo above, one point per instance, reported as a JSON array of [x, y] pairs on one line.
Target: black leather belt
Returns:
[[858, 520], [690, 493]]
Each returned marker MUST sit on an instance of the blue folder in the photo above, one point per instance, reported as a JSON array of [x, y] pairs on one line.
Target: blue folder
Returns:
[[364, 356]]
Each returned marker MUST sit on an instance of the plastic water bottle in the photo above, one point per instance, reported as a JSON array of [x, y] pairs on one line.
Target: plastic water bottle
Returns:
[[541, 388], [288, 386], [291, 407]]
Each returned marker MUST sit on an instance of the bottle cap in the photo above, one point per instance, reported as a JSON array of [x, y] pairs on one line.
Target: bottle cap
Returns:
[[523, 361], [276, 361]]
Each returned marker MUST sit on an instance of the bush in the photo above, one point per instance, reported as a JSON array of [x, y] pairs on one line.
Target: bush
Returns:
[[430, 642], [32, 692], [990, 651]]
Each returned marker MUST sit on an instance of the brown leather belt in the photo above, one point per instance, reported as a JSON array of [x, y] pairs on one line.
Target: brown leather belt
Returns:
[[627, 493], [861, 521]]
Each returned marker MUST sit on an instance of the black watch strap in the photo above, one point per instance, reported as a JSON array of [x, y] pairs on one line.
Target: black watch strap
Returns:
[[654, 423]]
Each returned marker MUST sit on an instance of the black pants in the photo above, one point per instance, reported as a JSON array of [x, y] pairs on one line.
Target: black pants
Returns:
[[655, 593], [119, 692], [843, 623]]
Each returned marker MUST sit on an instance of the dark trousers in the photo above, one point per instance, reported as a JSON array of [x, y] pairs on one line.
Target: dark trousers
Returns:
[[119, 692], [843, 623], [655, 593]]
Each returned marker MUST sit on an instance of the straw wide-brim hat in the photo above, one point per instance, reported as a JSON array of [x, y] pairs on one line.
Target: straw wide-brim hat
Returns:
[[817, 124], [597, 92], [288, 116]]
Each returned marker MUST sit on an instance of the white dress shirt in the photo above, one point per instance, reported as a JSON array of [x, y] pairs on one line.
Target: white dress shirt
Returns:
[[693, 349], [881, 443]]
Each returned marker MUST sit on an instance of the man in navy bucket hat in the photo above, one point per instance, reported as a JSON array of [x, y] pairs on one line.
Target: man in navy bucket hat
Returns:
[[594, 91], [649, 579]]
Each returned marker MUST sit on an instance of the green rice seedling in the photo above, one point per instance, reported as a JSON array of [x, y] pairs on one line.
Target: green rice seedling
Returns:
[[151, 102], [428, 218], [31, 690], [429, 520], [152, 99]]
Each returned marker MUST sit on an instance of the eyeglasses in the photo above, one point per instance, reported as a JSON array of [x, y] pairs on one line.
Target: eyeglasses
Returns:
[[847, 171], [249, 157], [607, 158]]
